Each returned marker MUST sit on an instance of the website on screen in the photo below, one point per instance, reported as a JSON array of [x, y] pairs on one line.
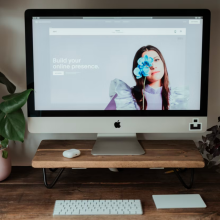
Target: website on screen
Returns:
[[117, 64]]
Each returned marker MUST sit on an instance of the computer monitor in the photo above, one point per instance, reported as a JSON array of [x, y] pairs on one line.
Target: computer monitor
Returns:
[[117, 73]]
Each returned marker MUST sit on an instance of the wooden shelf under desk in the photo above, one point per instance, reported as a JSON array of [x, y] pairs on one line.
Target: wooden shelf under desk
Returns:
[[159, 153]]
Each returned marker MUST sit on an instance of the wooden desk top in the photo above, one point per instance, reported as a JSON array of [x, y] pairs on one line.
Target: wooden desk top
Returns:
[[159, 153]]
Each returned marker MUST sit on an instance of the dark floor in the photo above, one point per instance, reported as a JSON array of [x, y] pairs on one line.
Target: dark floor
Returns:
[[23, 195]]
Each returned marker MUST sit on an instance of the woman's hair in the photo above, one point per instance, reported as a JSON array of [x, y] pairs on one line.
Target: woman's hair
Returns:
[[137, 90]]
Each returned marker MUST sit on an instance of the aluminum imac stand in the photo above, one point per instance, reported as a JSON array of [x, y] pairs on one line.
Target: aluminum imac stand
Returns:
[[117, 144]]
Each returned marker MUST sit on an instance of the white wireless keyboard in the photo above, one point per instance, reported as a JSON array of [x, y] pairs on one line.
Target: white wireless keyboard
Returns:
[[97, 207]]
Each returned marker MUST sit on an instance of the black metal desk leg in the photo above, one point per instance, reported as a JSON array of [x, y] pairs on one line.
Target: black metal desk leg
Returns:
[[52, 169], [49, 186], [182, 181]]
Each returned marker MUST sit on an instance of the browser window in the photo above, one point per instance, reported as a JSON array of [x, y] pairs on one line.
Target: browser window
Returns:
[[149, 63]]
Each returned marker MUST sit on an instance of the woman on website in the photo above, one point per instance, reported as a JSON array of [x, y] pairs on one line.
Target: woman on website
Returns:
[[152, 90]]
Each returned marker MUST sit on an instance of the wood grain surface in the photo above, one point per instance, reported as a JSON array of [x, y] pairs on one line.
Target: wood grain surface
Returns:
[[165, 153], [24, 196]]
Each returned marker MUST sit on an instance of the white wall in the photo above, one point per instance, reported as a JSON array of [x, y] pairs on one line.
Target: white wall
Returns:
[[12, 58]]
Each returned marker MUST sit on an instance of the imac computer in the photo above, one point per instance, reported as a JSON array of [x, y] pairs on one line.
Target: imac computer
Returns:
[[117, 73]]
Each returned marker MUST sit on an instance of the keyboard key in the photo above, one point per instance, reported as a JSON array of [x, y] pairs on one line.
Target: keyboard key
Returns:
[[63, 212], [76, 212]]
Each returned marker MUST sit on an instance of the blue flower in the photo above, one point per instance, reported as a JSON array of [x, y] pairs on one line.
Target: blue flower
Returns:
[[145, 71], [148, 60], [137, 73], [141, 61], [143, 68]]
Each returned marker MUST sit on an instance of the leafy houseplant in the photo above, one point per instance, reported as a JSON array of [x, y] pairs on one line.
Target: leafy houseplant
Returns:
[[210, 145], [12, 121]]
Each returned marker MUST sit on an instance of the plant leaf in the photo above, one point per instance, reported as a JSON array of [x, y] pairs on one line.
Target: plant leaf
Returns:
[[12, 125], [5, 154], [211, 164], [202, 147], [14, 102], [204, 138], [206, 162], [1, 138], [213, 128], [211, 144], [200, 143], [10, 86], [209, 156], [210, 137], [4, 143]]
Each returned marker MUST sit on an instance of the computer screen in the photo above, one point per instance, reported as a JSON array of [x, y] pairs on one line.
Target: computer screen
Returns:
[[117, 70], [117, 63]]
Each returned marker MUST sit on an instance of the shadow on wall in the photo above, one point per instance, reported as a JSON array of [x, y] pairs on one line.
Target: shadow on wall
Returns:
[[12, 60]]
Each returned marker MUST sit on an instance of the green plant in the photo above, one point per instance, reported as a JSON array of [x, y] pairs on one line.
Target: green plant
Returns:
[[12, 121], [210, 146]]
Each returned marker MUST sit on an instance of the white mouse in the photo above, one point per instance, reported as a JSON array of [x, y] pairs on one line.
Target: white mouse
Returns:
[[71, 153]]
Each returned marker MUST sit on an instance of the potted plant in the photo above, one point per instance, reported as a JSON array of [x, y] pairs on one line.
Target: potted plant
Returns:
[[210, 147], [12, 123]]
